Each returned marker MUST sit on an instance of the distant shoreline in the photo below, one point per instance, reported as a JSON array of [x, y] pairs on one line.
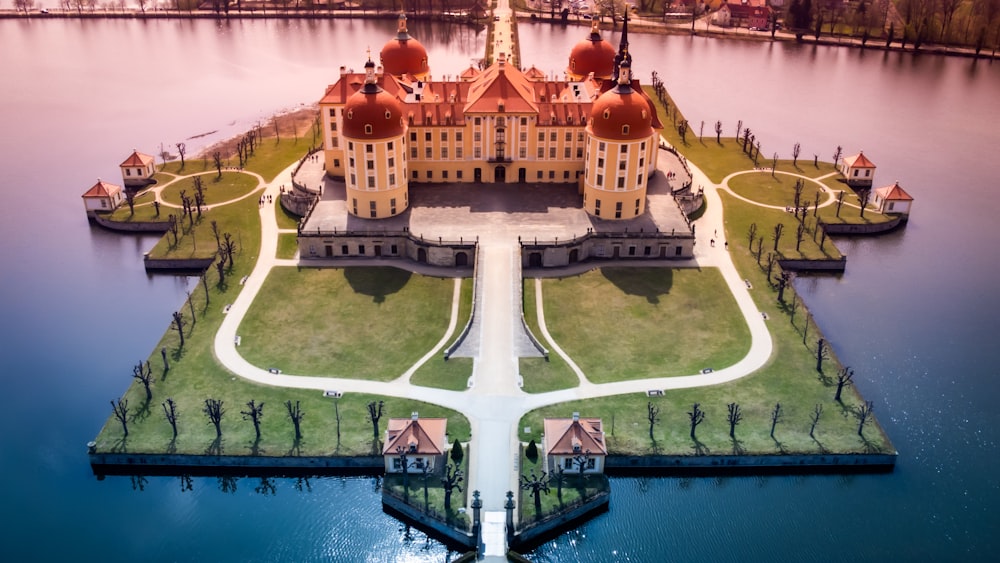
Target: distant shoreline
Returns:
[[640, 26]]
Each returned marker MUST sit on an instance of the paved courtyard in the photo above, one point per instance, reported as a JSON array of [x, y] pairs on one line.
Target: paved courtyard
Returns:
[[497, 211]]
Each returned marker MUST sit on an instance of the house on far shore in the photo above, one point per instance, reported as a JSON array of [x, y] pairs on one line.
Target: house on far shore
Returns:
[[424, 440], [138, 170], [893, 199], [103, 197], [858, 170], [566, 439]]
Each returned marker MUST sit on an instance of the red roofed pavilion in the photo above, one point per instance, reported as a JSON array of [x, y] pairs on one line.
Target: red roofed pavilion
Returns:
[[567, 438], [424, 440]]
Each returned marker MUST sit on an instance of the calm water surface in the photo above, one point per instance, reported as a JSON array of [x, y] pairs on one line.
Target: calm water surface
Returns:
[[915, 314]]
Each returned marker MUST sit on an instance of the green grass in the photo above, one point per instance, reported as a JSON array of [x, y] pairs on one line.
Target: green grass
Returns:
[[241, 219], [452, 374], [538, 374], [288, 245], [231, 185], [194, 376], [635, 323], [285, 219], [740, 215], [367, 323]]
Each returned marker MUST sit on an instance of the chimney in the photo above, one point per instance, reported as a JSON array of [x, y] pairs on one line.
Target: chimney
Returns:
[[576, 417], [413, 416]]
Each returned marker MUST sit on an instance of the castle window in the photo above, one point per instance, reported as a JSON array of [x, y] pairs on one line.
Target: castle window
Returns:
[[618, 210], [642, 146], [579, 152], [354, 204], [336, 163], [444, 174], [539, 174], [624, 149], [350, 146], [524, 122], [458, 136], [344, 249], [569, 137], [369, 147], [477, 121], [430, 174], [414, 174], [477, 153], [638, 180], [600, 162], [477, 136], [541, 137], [335, 142], [444, 152], [552, 136], [371, 183], [567, 152], [392, 162], [600, 146], [458, 174], [624, 129], [600, 180], [621, 164], [351, 161], [392, 206], [333, 113], [522, 152], [350, 114], [388, 114], [413, 152], [458, 152], [392, 180], [444, 135], [541, 152], [552, 152], [389, 146], [354, 180], [637, 202], [427, 136], [523, 136], [621, 183], [565, 174], [607, 114], [641, 162], [333, 126], [552, 174], [413, 136], [371, 164], [428, 153]]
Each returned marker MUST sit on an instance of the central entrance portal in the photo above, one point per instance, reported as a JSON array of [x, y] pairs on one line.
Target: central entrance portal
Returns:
[[500, 174]]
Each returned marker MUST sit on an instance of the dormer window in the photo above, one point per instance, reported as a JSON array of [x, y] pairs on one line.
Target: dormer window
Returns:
[[388, 114], [368, 128], [624, 129], [350, 114], [607, 113]]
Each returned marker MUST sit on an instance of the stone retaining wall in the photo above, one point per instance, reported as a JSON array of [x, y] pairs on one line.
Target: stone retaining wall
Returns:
[[176, 464], [667, 465], [822, 265], [176, 265], [432, 526], [866, 229], [130, 227]]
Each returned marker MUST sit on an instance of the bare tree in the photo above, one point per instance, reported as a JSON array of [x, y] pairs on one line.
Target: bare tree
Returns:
[[559, 478], [751, 234], [130, 200], [696, 416], [181, 150], [179, 323], [217, 160], [582, 462], [336, 414], [837, 154], [796, 149], [682, 130], [771, 261], [204, 285], [170, 412], [214, 411], [228, 247], [817, 412], [840, 201], [844, 379], [776, 416], [783, 279], [215, 233], [537, 485], [374, 415], [821, 354], [734, 417], [739, 128], [144, 374], [156, 207], [172, 226], [776, 235], [718, 132], [24, 5], [800, 233], [863, 197], [774, 164], [254, 413], [864, 413], [652, 415], [450, 480], [295, 414], [404, 464], [120, 410]]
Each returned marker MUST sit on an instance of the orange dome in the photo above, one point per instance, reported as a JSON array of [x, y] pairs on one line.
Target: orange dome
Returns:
[[621, 114], [404, 54], [372, 113], [593, 54]]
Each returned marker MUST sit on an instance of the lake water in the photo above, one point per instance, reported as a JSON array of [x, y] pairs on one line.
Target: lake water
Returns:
[[915, 314]]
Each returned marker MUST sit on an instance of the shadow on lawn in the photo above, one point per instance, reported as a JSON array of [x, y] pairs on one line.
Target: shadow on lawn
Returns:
[[636, 281], [377, 282]]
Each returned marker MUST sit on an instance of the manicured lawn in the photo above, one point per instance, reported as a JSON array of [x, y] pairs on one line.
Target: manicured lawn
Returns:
[[779, 189], [538, 374], [195, 376], [367, 323], [240, 219], [452, 374], [231, 185], [288, 245], [635, 323], [286, 220]]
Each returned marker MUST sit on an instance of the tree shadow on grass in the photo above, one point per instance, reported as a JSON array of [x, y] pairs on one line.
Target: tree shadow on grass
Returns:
[[870, 447], [171, 447], [120, 446], [779, 446], [255, 449], [215, 447], [142, 413], [637, 281], [738, 448], [700, 448], [377, 282], [296, 449], [820, 445]]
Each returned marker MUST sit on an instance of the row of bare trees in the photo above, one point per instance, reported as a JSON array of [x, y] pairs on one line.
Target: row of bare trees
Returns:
[[213, 409]]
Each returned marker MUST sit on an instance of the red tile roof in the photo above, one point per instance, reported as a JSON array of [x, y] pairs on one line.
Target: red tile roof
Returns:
[[102, 189], [137, 159], [893, 193], [566, 436], [859, 161], [421, 435]]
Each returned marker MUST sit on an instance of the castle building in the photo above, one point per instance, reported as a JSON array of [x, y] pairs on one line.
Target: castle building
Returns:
[[393, 125]]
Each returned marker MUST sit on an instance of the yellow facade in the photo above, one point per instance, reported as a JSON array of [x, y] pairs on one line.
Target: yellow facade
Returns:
[[617, 173], [376, 177]]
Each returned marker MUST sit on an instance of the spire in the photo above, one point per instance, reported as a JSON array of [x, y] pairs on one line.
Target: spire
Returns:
[[623, 57], [595, 34], [370, 87], [401, 33]]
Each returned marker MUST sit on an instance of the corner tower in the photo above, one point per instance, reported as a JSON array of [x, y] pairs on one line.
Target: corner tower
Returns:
[[621, 145], [374, 132]]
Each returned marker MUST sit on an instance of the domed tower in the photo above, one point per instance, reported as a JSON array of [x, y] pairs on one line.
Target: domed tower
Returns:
[[404, 54], [592, 54], [621, 147], [374, 132]]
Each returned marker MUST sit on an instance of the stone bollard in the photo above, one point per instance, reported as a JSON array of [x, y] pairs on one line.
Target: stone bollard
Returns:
[[509, 507]]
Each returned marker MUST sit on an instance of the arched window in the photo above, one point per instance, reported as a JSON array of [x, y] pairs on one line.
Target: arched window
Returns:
[[368, 128], [624, 129]]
